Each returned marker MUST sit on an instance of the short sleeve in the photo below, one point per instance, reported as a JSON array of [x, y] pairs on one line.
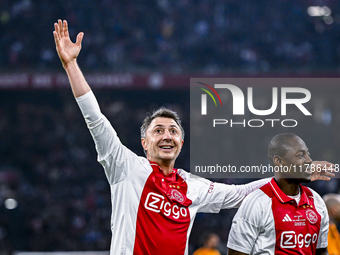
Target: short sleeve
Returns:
[[324, 225], [247, 224]]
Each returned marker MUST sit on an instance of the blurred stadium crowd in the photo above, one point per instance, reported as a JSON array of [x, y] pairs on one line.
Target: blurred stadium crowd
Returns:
[[175, 36], [47, 157]]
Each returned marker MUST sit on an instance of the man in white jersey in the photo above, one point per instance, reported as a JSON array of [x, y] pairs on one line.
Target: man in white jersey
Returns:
[[153, 204], [282, 217]]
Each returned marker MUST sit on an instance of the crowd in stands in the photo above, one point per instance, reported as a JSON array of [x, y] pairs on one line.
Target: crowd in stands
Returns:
[[209, 36], [48, 164]]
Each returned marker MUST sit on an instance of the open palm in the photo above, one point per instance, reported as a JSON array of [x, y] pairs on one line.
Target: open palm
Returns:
[[67, 50], [321, 170]]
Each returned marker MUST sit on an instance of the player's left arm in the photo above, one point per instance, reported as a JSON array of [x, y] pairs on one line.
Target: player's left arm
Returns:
[[320, 206], [239, 192], [321, 170], [322, 251], [250, 221], [216, 196]]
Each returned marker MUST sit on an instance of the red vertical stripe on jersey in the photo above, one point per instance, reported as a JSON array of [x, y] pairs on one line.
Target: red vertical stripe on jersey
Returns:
[[163, 216]]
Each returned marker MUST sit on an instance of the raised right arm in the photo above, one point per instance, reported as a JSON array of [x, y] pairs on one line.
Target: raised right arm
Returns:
[[111, 153], [68, 53]]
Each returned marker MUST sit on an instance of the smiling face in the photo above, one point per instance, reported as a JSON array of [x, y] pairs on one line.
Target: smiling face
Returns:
[[163, 141], [295, 161]]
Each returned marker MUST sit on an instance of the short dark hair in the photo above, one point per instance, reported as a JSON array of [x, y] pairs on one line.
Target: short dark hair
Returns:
[[161, 112], [278, 145]]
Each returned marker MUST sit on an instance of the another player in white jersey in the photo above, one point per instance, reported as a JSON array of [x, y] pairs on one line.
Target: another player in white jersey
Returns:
[[282, 217], [153, 204]]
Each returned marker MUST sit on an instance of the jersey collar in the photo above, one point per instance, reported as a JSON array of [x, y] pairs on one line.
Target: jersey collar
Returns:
[[172, 185], [283, 198], [159, 172]]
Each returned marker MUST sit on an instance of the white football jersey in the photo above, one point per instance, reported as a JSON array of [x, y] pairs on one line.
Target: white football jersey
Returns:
[[270, 222], [152, 213]]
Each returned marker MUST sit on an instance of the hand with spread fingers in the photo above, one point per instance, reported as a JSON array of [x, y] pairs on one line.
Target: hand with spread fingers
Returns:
[[321, 170], [67, 50]]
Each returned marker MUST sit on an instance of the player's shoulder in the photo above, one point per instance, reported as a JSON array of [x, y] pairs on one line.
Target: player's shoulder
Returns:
[[254, 207], [258, 195], [189, 177], [312, 193], [316, 197], [181, 172], [257, 200], [198, 185], [143, 160]]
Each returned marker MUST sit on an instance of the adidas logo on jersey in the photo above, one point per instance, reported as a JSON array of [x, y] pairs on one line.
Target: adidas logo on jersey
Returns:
[[286, 218]]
